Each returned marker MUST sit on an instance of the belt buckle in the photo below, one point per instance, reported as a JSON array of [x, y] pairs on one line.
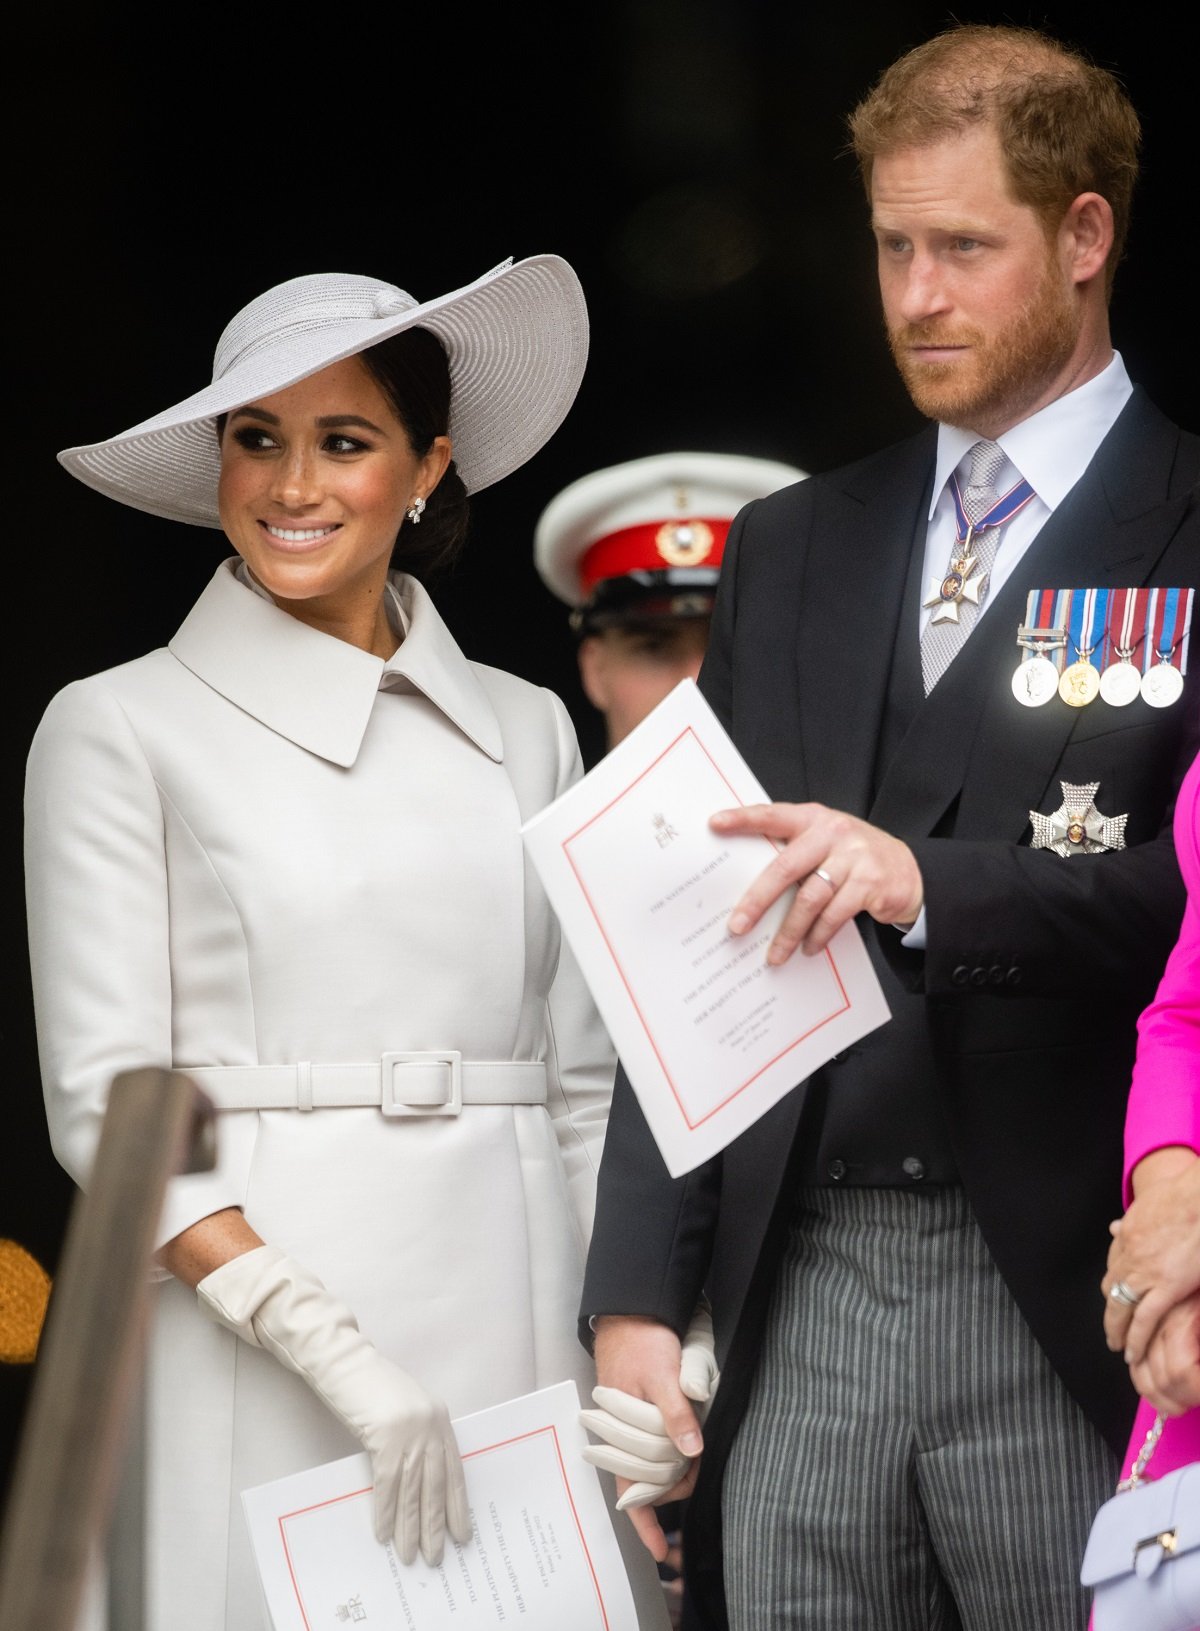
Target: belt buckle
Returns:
[[390, 1101]]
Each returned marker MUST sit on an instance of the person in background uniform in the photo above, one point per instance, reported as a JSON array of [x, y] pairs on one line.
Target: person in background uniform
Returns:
[[961, 667], [635, 551]]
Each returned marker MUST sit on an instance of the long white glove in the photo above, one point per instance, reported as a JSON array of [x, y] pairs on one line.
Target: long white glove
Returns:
[[636, 1444], [272, 1302]]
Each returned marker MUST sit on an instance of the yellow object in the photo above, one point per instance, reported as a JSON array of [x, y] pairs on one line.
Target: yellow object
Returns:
[[24, 1293]]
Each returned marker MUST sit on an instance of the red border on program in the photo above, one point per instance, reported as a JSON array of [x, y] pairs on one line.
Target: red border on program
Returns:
[[687, 731]]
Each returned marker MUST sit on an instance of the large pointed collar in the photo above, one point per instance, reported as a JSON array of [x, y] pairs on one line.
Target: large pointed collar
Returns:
[[430, 658], [314, 689]]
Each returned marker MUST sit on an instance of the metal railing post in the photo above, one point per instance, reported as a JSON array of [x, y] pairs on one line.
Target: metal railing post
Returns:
[[73, 1443]]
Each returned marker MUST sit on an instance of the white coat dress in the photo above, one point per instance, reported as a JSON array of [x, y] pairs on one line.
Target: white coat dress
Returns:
[[261, 845]]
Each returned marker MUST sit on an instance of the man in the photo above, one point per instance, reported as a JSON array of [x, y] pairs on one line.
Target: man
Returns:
[[917, 1416], [635, 551]]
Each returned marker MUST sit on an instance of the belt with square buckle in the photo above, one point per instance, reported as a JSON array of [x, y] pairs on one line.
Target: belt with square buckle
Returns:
[[424, 1082]]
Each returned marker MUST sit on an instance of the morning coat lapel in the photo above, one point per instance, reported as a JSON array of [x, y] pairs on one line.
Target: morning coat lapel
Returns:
[[850, 604], [971, 739]]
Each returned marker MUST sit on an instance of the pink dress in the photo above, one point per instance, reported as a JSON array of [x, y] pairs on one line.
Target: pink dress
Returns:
[[1164, 1099]]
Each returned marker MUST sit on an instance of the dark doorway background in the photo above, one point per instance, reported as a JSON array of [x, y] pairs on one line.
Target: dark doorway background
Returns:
[[684, 155]]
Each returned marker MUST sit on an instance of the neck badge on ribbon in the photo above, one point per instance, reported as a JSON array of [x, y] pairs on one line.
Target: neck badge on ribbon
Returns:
[[947, 593]]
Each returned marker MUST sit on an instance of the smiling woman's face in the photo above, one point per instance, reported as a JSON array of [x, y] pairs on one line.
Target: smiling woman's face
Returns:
[[314, 484]]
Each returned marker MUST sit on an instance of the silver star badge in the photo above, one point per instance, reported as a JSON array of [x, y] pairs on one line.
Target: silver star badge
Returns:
[[947, 593], [1077, 827]]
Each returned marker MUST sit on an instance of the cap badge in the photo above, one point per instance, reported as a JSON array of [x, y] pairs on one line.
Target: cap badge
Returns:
[[684, 543]]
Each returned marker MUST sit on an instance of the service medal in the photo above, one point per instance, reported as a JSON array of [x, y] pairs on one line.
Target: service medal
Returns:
[[1035, 681], [1168, 624], [1162, 685], [1079, 684], [1077, 827], [1120, 683]]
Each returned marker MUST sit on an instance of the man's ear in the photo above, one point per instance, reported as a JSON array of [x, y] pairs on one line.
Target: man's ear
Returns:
[[1086, 234], [593, 657]]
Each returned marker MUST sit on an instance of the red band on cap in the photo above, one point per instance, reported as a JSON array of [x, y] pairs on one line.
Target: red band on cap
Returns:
[[654, 547]]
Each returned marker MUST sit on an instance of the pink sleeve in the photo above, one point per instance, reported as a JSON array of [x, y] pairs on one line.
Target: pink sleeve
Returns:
[[1164, 1098]]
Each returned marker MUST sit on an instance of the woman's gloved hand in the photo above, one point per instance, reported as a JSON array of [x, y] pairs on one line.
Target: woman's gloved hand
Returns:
[[272, 1302], [635, 1442]]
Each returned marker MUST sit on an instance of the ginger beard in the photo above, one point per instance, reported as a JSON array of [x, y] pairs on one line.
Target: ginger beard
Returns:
[[1003, 374]]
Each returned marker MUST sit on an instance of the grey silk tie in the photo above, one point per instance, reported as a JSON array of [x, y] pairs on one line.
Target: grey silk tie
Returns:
[[941, 641]]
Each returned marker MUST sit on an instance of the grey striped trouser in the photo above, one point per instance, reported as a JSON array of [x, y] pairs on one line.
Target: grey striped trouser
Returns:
[[909, 1460]]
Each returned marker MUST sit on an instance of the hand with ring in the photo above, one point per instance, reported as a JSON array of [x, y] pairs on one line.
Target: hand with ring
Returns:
[[836, 864], [1154, 1259]]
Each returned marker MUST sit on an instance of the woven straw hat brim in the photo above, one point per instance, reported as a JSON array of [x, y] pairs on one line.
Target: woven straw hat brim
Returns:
[[517, 341]]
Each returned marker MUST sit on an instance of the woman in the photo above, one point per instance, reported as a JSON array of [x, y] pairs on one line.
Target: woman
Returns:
[[282, 854], [1152, 1285]]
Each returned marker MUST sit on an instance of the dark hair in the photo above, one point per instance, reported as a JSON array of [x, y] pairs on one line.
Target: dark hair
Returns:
[[1065, 126], [413, 372]]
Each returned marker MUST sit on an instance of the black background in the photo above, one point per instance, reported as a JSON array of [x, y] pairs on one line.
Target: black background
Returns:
[[686, 156]]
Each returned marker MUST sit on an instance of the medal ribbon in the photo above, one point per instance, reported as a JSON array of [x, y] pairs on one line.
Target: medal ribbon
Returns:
[[1141, 612], [1040, 609], [1001, 511], [1171, 612], [1120, 624], [1075, 622], [1164, 615], [1127, 611], [1088, 608], [1185, 639], [1160, 626], [1046, 609]]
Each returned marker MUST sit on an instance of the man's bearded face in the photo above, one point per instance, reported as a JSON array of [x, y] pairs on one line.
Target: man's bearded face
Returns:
[[1003, 368], [982, 314]]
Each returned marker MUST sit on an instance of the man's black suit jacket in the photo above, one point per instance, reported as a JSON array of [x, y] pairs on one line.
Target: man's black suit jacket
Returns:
[[1036, 966]]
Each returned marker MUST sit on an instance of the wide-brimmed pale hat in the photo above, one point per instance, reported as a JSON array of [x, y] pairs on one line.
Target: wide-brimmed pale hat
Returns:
[[644, 540], [517, 340]]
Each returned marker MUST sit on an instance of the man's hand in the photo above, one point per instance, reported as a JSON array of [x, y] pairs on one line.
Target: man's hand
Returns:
[[1155, 1249], [838, 865], [634, 1441], [1169, 1376], [641, 1358]]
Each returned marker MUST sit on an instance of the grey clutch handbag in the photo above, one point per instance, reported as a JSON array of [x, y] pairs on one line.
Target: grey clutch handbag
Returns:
[[1142, 1560]]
